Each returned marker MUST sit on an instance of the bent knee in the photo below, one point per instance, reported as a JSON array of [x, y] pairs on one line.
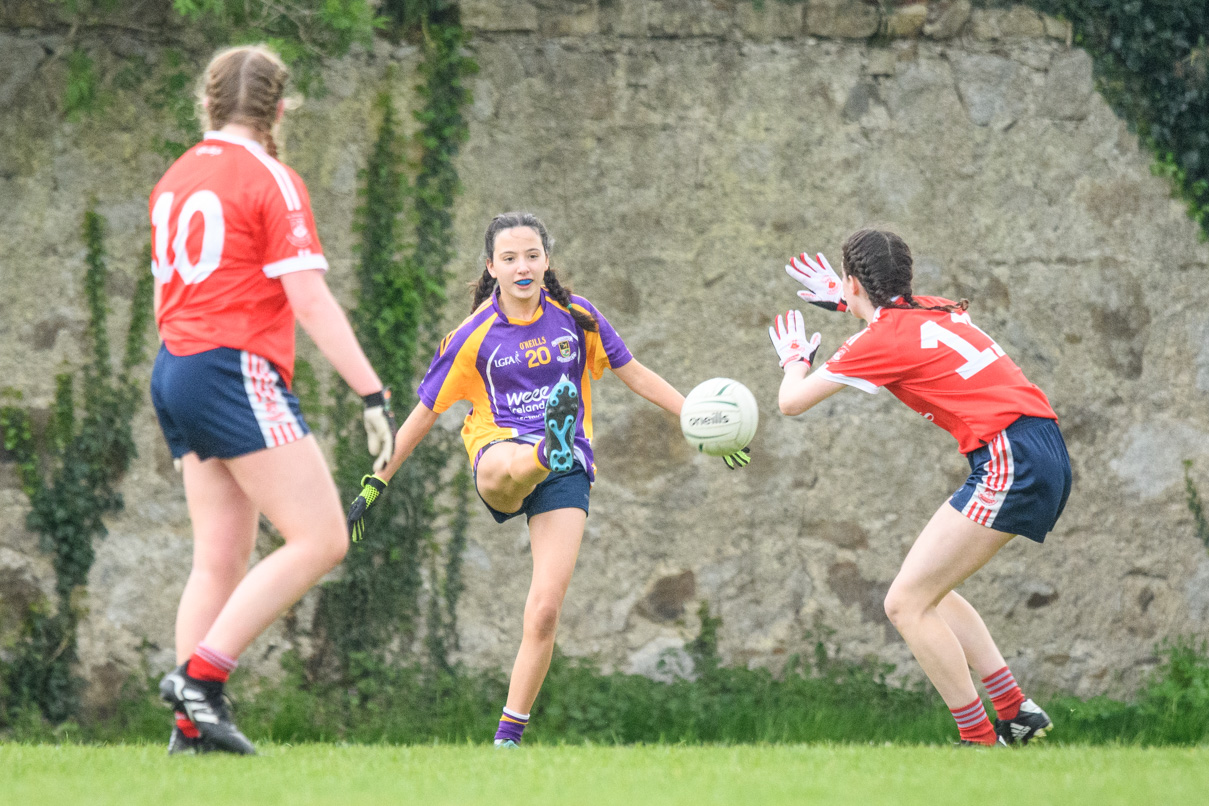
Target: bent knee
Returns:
[[901, 607], [337, 549], [541, 618]]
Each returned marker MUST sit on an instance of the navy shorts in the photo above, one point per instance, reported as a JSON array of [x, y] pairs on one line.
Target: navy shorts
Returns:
[[1020, 481], [223, 403], [566, 490]]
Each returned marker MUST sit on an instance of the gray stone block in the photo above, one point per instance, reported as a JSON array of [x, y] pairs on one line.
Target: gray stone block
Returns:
[[499, 15], [907, 21], [842, 19], [19, 59], [1068, 87], [945, 20]]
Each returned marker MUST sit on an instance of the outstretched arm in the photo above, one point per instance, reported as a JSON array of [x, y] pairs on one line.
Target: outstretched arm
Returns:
[[799, 391], [648, 383], [414, 428]]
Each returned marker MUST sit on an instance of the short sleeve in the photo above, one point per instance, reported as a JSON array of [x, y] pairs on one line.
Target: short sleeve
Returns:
[[444, 383], [866, 361], [291, 241], [605, 348]]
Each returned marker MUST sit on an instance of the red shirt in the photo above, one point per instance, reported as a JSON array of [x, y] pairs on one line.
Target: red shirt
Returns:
[[942, 366], [228, 220]]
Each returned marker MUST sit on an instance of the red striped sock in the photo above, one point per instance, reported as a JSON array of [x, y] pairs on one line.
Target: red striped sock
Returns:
[[186, 726], [1006, 696], [210, 664], [972, 723]]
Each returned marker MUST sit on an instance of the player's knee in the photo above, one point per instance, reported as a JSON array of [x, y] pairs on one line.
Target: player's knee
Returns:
[[337, 549], [220, 572], [899, 606], [541, 617]]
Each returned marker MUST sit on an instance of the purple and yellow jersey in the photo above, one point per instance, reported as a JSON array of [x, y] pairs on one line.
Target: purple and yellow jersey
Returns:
[[506, 368]]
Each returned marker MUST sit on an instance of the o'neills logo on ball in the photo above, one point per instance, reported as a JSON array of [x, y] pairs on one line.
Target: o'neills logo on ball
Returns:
[[717, 418]]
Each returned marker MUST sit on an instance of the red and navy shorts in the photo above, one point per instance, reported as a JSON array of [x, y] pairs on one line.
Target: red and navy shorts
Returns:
[[223, 403], [1019, 482]]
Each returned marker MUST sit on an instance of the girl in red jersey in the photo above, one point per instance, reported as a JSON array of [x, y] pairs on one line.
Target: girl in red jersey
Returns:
[[931, 356], [237, 261]]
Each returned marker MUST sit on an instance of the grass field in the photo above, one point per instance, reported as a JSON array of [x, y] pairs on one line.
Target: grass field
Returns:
[[301, 775]]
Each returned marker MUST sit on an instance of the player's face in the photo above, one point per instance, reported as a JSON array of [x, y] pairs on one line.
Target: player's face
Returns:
[[519, 262]]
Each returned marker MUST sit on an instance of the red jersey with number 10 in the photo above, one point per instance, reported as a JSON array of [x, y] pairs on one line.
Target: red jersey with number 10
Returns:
[[942, 366], [227, 221]]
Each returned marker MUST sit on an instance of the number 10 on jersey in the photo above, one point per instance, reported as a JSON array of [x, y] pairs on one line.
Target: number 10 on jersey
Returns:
[[213, 232]]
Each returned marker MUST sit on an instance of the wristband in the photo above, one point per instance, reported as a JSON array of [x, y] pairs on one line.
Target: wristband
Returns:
[[381, 398]]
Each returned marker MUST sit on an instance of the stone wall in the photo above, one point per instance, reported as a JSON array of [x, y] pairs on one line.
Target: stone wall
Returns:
[[680, 152]]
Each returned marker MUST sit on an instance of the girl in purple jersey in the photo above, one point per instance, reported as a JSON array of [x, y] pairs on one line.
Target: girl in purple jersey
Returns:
[[525, 359]]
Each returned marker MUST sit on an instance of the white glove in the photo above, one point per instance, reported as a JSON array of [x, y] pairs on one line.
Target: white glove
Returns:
[[823, 285], [789, 340], [379, 427]]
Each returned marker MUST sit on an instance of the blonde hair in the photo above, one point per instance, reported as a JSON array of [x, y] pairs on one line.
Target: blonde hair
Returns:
[[244, 85]]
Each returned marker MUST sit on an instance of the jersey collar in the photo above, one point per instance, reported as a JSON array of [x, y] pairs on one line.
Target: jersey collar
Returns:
[[251, 145], [541, 307]]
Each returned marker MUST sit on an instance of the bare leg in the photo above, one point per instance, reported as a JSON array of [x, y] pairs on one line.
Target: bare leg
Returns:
[[950, 548], [554, 537], [507, 472], [976, 642], [224, 533], [291, 485]]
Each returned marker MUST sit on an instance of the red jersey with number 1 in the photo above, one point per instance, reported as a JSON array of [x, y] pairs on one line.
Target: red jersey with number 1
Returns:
[[227, 221], [942, 366]]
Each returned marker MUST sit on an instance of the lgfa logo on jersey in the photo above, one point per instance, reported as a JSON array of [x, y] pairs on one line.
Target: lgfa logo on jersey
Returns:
[[508, 360], [566, 349], [299, 235]]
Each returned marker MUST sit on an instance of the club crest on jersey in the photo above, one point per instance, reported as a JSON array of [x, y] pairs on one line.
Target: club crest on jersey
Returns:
[[299, 235], [566, 349], [987, 497]]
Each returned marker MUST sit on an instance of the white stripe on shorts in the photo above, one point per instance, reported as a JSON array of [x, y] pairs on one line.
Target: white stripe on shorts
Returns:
[[992, 491], [277, 422]]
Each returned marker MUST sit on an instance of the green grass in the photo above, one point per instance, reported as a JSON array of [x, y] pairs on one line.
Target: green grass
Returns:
[[132, 775]]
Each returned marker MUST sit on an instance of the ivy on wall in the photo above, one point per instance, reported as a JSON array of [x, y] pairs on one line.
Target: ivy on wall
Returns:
[[69, 471], [372, 615], [1152, 65]]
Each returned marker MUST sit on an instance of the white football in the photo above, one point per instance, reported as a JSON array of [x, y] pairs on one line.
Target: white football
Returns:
[[719, 417]]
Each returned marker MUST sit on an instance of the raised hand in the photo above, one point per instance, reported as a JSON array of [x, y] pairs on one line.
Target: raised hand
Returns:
[[823, 285], [788, 336]]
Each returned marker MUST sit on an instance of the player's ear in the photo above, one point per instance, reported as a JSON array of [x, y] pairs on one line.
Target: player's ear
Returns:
[[491, 268], [280, 110]]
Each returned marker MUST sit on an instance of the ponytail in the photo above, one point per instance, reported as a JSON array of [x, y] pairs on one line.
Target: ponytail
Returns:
[[483, 288], [562, 296], [962, 306]]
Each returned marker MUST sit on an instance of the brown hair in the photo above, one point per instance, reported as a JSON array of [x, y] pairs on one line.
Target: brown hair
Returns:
[[882, 262], [244, 85], [485, 285]]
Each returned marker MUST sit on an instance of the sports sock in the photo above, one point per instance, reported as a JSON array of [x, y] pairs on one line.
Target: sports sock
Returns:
[[512, 726], [210, 664], [539, 454], [1006, 696], [972, 723], [186, 726]]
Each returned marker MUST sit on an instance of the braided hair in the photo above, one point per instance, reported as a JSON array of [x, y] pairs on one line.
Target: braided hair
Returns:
[[485, 286], [243, 85], [882, 262]]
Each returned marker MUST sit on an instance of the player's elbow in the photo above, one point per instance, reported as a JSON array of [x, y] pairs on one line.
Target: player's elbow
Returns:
[[790, 407]]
